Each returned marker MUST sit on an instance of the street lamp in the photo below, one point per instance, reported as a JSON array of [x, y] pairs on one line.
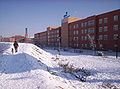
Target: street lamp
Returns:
[[116, 46], [59, 45]]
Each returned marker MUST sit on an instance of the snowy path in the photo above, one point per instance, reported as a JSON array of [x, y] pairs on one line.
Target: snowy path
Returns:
[[28, 69]]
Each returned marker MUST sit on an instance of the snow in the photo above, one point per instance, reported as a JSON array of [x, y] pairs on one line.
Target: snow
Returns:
[[35, 68]]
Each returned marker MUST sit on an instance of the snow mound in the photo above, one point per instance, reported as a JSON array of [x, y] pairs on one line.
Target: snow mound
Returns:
[[19, 63], [25, 59]]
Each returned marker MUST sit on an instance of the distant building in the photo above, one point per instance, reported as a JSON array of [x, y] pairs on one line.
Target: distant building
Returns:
[[12, 39]]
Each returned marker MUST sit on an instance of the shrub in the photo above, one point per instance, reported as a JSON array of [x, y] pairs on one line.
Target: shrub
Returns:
[[79, 73], [99, 53]]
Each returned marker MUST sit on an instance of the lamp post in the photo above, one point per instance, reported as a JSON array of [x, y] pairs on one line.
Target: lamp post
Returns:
[[59, 45], [116, 46]]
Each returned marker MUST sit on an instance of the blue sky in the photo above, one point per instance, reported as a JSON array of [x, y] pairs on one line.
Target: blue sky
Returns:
[[37, 15]]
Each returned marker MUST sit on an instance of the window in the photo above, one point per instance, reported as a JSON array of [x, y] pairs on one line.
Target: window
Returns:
[[85, 31], [116, 18], [105, 20], [100, 37], [77, 25], [85, 37], [92, 37], [82, 38], [75, 32], [91, 23], [75, 38], [115, 36], [105, 28], [82, 24], [74, 26], [57, 31], [85, 24], [100, 29], [105, 37], [58, 39], [115, 27], [91, 30], [85, 45], [100, 21], [77, 45], [82, 31], [82, 45]]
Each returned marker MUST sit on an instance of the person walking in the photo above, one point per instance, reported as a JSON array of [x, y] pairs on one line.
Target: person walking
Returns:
[[16, 46]]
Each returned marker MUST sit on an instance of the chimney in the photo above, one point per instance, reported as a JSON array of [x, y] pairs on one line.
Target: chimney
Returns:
[[26, 34]]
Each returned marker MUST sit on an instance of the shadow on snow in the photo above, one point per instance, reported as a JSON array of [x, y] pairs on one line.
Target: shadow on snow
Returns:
[[19, 63]]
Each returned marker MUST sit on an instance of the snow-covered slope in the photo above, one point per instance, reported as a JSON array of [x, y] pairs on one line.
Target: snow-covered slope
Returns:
[[34, 68]]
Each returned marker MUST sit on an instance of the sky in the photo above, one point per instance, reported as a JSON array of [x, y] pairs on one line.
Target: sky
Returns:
[[37, 15]]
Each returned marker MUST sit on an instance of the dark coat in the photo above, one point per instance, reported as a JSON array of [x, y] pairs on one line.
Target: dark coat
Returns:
[[15, 44]]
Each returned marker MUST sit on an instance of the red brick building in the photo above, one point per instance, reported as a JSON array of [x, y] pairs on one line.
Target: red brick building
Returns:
[[54, 36], [51, 37], [41, 38], [101, 31], [98, 31], [82, 33], [108, 30]]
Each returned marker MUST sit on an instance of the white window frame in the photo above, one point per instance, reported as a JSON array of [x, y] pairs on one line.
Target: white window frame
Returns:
[[105, 37], [105, 28], [116, 17], [75, 38], [100, 37], [100, 21], [115, 36], [100, 29], [105, 20], [115, 27]]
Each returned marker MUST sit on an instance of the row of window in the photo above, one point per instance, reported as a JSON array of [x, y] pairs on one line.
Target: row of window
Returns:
[[105, 37], [53, 32], [105, 20], [103, 29], [53, 40], [101, 37], [89, 23], [87, 45], [92, 22], [85, 38], [84, 31], [82, 45], [53, 44], [53, 36], [92, 30]]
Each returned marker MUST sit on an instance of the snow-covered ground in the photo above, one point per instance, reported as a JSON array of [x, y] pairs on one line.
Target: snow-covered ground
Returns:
[[34, 68]]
